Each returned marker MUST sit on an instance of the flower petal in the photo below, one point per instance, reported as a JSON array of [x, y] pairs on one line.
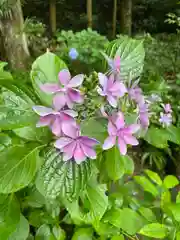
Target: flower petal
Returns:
[[112, 101], [117, 62], [69, 130], [109, 142], [90, 142], [59, 101], [43, 111], [122, 146], [69, 150], [44, 121], [62, 142], [103, 80], [101, 92], [129, 139], [76, 81], [75, 95], [118, 120], [69, 102], [88, 151], [64, 77], [79, 155], [112, 130], [118, 89], [133, 128], [56, 127], [70, 112], [49, 87]]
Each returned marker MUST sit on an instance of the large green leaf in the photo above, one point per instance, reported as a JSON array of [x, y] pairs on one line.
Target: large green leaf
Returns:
[[154, 177], [173, 134], [59, 178], [83, 233], [22, 230], [170, 181], [152, 137], [175, 209], [114, 163], [18, 166], [154, 230], [5, 141], [132, 55], [45, 69], [9, 215], [98, 200]]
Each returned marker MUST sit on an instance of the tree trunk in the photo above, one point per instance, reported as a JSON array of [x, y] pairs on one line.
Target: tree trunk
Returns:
[[89, 13], [114, 19], [13, 39], [125, 16], [52, 10]]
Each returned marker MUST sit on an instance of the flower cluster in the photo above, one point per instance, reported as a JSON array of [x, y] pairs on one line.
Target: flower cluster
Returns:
[[61, 118], [166, 116]]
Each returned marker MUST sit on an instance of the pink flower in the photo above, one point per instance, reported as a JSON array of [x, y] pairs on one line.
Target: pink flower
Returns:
[[56, 120], [115, 64], [167, 108], [65, 94], [143, 115], [76, 146], [118, 129], [111, 89], [135, 93]]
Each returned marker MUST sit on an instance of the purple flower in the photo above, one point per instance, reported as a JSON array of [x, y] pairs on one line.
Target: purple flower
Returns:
[[165, 119], [76, 146], [66, 94], [143, 115], [73, 54], [167, 108], [135, 93], [118, 129], [58, 121], [115, 64], [111, 89]]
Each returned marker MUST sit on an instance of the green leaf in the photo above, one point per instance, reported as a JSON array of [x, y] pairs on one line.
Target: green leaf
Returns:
[[113, 216], [5, 141], [22, 230], [148, 214], [44, 233], [154, 177], [114, 163], [128, 165], [170, 181], [18, 166], [120, 237], [154, 230], [63, 179], [178, 236], [175, 209], [132, 56], [146, 185], [83, 233], [59, 233], [45, 69], [178, 198], [95, 127], [152, 137], [16, 117], [131, 222], [174, 134], [9, 215], [98, 200]]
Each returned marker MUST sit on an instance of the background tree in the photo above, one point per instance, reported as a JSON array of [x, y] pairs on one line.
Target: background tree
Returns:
[[126, 17], [52, 10], [89, 13], [114, 19], [13, 38]]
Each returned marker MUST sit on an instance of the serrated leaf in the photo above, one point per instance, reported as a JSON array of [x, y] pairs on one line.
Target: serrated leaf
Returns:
[[132, 56], [154, 230], [18, 166], [22, 230], [45, 69], [57, 178], [146, 185], [9, 215], [170, 181], [154, 177], [152, 137], [114, 163]]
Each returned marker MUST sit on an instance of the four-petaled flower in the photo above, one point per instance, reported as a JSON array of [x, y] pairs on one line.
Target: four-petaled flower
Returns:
[[65, 94], [118, 129], [73, 145], [165, 119], [111, 89], [58, 121]]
